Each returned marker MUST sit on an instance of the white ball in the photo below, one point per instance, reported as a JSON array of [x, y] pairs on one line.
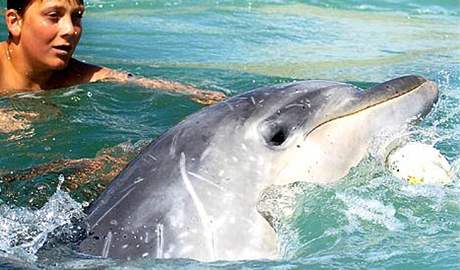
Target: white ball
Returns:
[[419, 163]]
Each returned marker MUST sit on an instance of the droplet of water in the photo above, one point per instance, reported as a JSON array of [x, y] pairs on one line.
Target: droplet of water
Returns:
[[61, 179]]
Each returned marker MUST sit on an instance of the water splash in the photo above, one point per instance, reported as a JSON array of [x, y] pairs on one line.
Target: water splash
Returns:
[[369, 218], [24, 231]]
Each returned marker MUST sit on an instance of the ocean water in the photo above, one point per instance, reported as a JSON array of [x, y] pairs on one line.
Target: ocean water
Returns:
[[369, 220]]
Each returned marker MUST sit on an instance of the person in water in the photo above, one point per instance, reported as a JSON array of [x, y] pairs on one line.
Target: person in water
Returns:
[[37, 55]]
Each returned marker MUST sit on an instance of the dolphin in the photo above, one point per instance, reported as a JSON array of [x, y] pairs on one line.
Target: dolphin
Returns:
[[193, 192]]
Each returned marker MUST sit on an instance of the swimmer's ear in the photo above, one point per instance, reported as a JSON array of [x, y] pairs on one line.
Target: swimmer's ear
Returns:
[[13, 22]]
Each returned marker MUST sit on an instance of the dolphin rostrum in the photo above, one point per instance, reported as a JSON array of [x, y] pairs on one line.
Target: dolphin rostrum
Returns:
[[192, 193]]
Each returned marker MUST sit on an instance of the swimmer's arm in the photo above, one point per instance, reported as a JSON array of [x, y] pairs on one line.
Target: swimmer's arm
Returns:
[[200, 96], [11, 120]]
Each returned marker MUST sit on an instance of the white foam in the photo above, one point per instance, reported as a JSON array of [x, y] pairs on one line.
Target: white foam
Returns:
[[24, 231], [369, 210]]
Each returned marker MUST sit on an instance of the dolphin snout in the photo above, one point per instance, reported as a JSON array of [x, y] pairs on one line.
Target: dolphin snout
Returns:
[[430, 85]]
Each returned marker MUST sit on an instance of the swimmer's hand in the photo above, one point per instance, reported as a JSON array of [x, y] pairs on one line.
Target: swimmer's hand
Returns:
[[207, 97], [200, 96]]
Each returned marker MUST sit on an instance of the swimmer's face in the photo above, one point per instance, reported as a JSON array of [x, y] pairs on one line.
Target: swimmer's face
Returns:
[[50, 31]]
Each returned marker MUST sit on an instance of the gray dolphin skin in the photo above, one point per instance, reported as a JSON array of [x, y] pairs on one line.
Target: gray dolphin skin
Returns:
[[192, 193]]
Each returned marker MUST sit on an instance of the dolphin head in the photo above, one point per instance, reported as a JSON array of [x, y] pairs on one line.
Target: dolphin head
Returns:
[[193, 192], [317, 130], [321, 102]]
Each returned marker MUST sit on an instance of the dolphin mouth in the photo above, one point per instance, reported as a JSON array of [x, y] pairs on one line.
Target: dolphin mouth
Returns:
[[397, 88], [390, 91]]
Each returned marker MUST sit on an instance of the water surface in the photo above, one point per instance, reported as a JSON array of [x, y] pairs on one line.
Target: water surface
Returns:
[[369, 220]]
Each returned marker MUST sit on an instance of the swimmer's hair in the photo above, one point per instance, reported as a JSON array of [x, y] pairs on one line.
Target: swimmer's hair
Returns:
[[21, 5]]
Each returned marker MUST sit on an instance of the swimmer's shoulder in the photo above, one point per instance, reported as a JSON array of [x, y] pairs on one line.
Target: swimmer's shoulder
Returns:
[[79, 72], [3, 71]]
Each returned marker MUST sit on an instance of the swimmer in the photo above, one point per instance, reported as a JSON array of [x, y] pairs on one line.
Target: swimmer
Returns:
[[38, 53]]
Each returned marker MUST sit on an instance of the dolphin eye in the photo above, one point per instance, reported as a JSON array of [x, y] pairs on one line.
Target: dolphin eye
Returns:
[[274, 134], [279, 137]]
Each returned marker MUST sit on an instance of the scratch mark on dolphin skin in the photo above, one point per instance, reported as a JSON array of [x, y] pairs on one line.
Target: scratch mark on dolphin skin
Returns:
[[253, 101], [152, 157], [146, 238], [160, 241], [294, 105], [137, 181], [172, 148], [108, 241], [205, 153], [111, 208], [206, 180], [205, 221], [229, 106]]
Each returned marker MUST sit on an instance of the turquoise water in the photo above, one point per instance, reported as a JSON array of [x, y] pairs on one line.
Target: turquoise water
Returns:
[[369, 220]]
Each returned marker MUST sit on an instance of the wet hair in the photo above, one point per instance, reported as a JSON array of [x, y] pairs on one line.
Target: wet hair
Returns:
[[21, 5]]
